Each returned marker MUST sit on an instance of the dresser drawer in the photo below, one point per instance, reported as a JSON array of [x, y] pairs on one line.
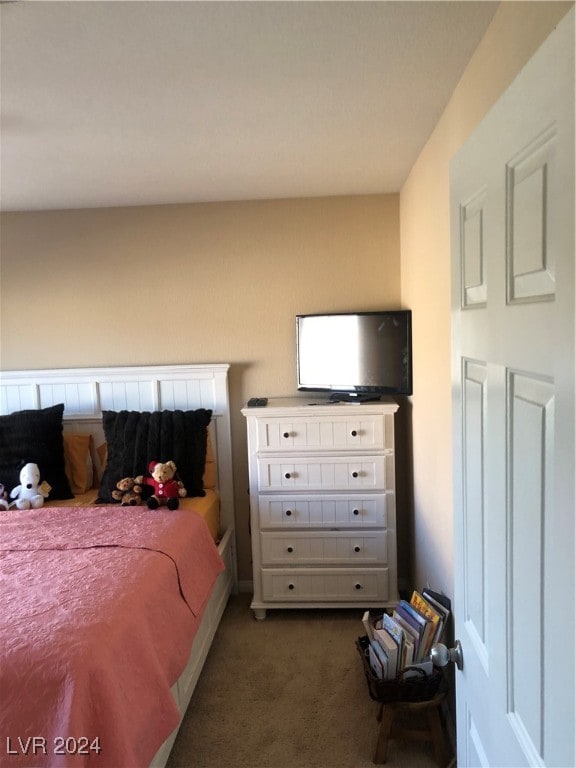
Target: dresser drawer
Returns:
[[326, 473], [326, 585], [350, 432], [324, 548], [350, 511]]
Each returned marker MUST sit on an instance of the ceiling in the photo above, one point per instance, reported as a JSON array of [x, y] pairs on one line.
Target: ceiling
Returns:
[[137, 103]]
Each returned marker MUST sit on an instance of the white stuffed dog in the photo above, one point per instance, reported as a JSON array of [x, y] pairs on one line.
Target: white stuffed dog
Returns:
[[30, 493]]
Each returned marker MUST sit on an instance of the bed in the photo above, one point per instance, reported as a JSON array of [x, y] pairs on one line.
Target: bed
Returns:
[[109, 611]]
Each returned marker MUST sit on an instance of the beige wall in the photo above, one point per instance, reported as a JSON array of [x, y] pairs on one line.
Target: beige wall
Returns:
[[193, 283], [516, 31]]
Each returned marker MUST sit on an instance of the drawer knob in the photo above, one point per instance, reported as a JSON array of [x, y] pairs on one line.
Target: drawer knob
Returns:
[[356, 549], [288, 512], [290, 586], [290, 549], [354, 433], [354, 474], [355, 511], [287, 475], [286, 435], [358, 586]]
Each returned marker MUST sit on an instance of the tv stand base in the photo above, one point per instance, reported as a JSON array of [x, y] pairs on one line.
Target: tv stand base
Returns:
[[352, 397]]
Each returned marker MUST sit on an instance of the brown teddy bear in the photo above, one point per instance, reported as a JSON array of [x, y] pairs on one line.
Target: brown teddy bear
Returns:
[[167, 489], [3, 498], [128, 492]]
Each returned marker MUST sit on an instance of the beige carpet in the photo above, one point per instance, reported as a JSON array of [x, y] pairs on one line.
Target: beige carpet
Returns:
[[287, 692]]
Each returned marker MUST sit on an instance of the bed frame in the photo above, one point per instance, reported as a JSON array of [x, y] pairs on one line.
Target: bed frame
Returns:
[[86, 392]]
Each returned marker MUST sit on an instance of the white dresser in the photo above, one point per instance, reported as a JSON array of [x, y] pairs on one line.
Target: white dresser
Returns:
[[322, 504]]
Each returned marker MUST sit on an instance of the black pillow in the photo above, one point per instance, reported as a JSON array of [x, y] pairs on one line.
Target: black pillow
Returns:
[[135, 438], [35, 436]]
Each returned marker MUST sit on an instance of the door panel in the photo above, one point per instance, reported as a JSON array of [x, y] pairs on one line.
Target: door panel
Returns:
[[475, 567], [530, 251], [530, 441]]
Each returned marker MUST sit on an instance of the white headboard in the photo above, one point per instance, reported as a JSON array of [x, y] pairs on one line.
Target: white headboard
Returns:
[[86, 392]]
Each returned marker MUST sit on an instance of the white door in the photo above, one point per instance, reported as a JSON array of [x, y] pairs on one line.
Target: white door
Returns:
[[512, 208]]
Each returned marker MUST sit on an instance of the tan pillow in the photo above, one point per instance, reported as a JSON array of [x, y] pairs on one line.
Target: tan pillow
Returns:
[[78, 461], [100, 459], [210, 473]]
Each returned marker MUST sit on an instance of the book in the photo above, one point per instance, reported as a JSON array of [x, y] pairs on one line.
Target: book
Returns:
[[411, 616], [407, 651], [429, 612], [375, 664], [396, 632], [393, 628], [382, 656], [439, 598], [420, 623], [440, 608], [368, 626], [411, 638], [443, 608], [390, 647]]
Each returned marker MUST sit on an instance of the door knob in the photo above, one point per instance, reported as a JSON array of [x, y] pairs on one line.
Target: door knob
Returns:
[[441, 655]]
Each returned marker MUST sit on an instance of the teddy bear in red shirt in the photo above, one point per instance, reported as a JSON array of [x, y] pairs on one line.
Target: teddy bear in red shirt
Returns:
[[167, 489]]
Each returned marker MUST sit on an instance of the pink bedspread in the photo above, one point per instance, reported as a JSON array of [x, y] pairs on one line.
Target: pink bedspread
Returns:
[[99, 607]]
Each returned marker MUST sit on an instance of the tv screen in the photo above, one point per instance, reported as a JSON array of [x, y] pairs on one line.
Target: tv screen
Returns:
[[355, 355]]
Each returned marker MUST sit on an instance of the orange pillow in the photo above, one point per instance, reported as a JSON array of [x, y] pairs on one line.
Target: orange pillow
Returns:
[[210, 474], [78, 461]]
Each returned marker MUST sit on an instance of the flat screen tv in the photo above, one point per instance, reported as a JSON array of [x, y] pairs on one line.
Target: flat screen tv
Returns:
[[356, 355]]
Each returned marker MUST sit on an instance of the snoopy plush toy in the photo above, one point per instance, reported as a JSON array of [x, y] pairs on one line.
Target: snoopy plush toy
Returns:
[[30, 494]]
